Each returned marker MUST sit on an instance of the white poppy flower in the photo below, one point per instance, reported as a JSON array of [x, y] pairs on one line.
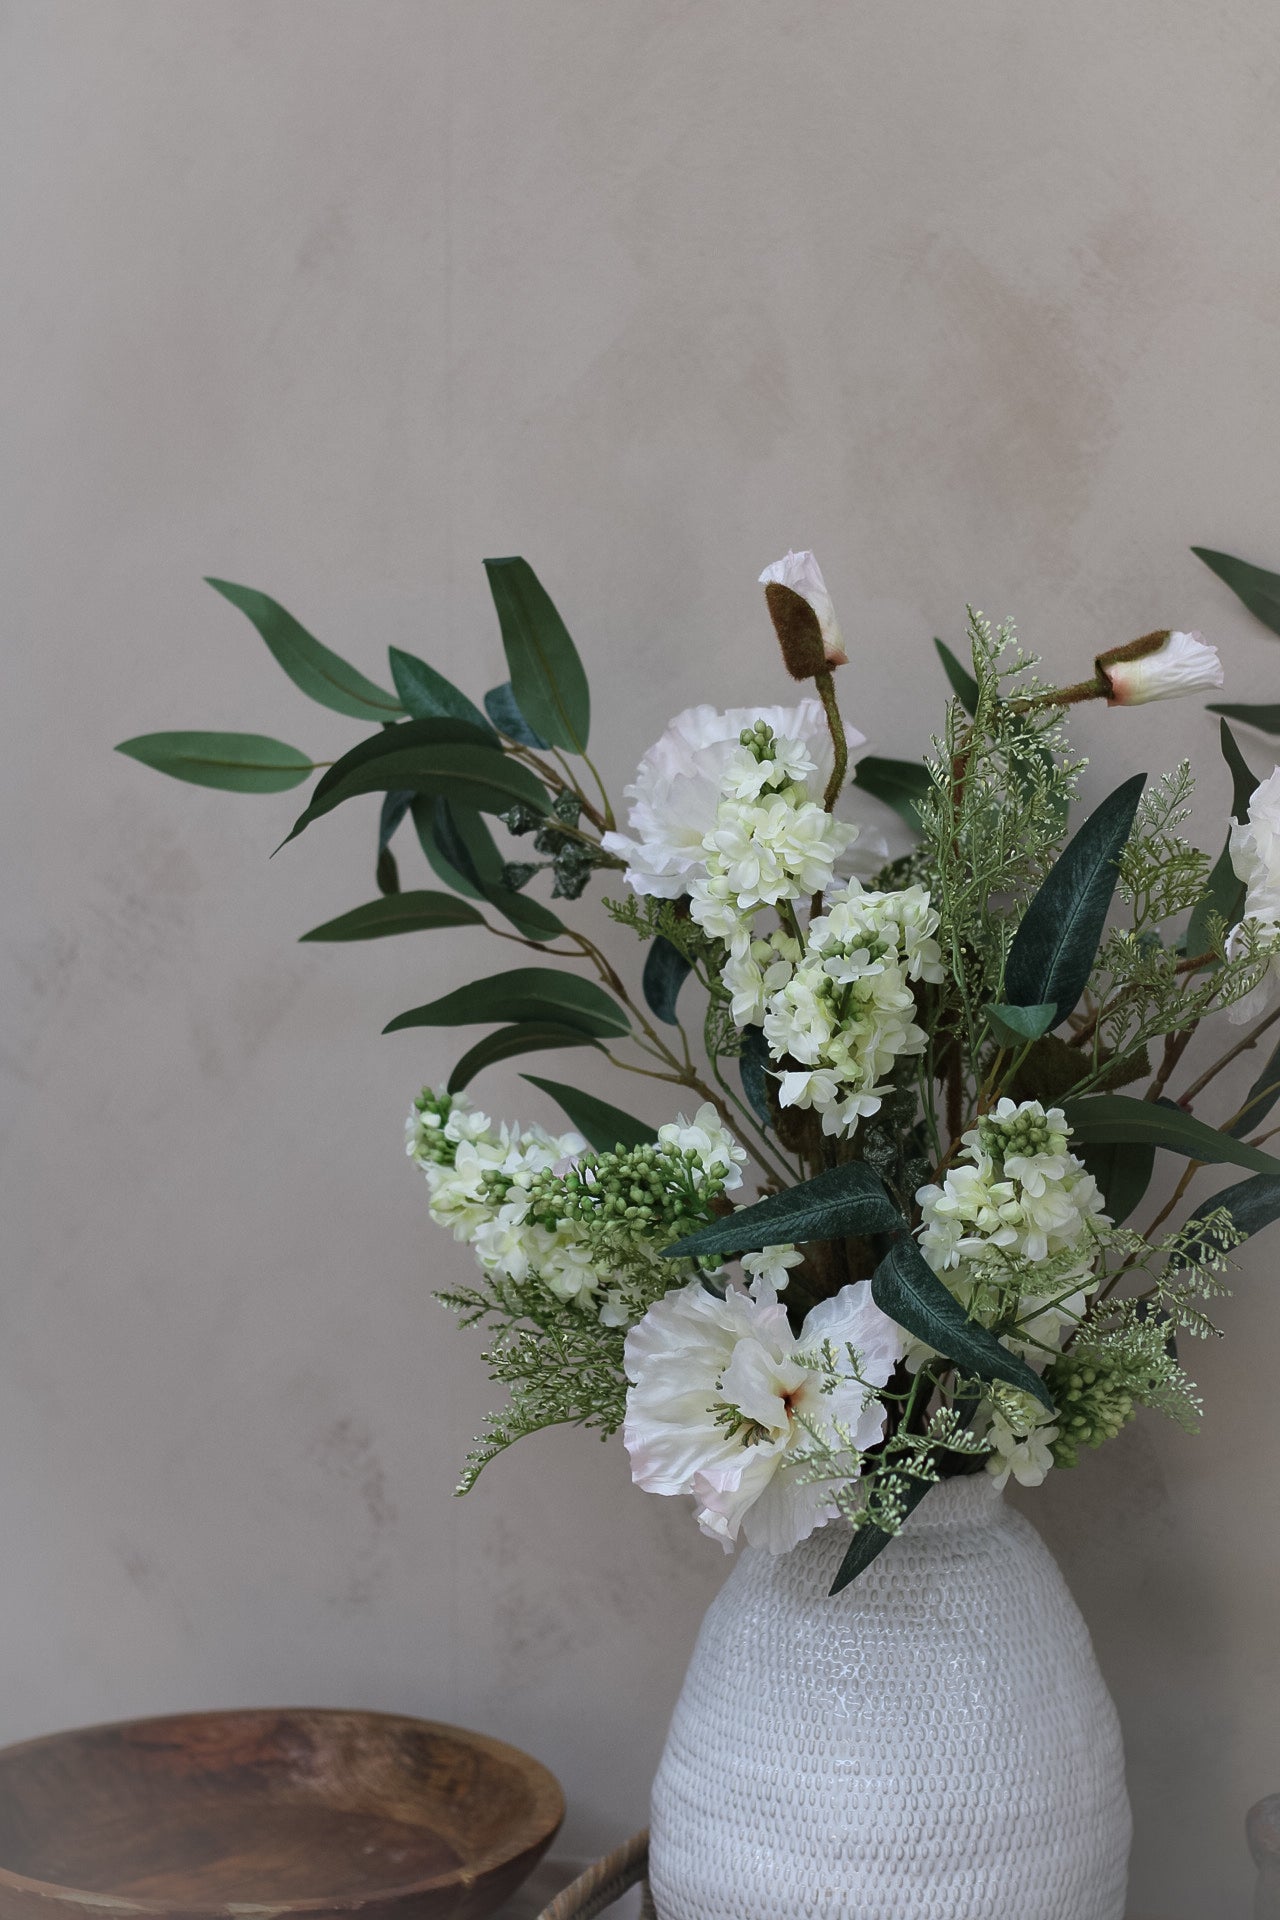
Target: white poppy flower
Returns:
[[1182, 663], [1255, 856], [720, 1400], [801, 573]]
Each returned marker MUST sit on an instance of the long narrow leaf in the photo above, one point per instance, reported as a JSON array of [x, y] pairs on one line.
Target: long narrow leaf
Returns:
[[1265, 718], [407, 735], [322, 674], [602, 1126], [963, 684], [1057, 941], [905, 1287], [1107, 1117], [521, 994], [870, 1541], [547, 677], [1222, 899], [753, 1068], [394, 808], [1252, 1204], [842, 1201], [501, 706], [531, 1036], [397, 913], [427, 695], [236, 762], [1244, 781], [472, 776], [665, 972], [1261, 1097], [899, 783], [1259, 589], [1123, 1170]]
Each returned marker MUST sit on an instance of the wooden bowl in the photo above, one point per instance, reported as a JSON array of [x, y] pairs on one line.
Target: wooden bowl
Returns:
[[314, 1812]]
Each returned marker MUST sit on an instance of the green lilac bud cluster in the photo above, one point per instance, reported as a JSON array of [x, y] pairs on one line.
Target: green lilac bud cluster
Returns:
[[1094, 1397], [651, 1194], [758, 740], [429, 1141], [1022, 1133]]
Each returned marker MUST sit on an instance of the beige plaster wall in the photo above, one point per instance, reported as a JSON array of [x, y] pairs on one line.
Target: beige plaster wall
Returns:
[[980, 300]]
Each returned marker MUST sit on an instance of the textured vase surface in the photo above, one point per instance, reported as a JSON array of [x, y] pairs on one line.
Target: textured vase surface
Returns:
[[935, 1743]]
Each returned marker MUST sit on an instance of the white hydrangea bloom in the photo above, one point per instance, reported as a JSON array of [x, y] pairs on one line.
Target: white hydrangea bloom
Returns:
[[707, 1137], [845, 1013], [677, 790], [1255, 855], [719, 1396]]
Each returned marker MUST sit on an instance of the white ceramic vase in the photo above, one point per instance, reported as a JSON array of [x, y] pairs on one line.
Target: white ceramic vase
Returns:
[[935, 1743]]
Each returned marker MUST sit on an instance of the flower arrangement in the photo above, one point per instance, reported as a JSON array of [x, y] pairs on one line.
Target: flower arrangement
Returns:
[[884, 1237]]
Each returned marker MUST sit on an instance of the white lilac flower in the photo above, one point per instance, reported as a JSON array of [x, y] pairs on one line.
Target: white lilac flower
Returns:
[[771, 1266], [1255, 856], [1179, 663], [720, 1402], [801, 574], [676, 793], [1018, 1190], [756, 968], [462, 1196], [707, 1137], [783, 846], [845, 1014], [1028, 1456]]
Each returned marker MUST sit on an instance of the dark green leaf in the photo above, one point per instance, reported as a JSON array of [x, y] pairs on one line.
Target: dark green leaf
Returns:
[[1266, 719], [531, 1036], [397, 913], [394, 808], [1244, 780], [463, 852], [1122, 1169], [1252, 1204], [905, 1287], [435, 831], [963, 684], [899, 783], [870, 1540], [1016, 1025], [1223, 898], [547, 677], [1262, 1096], [321, 673], [500, 705], [665, 972], [1056, 944], [521, 994], [1105, 1117], [1259, 589], [237, 762], [842, 1201], [467, 775], [602, 1126], [423, 736], [753, 1065], [427, 695]]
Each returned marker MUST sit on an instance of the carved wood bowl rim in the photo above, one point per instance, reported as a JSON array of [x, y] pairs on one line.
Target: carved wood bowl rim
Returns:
[[528, 1837]]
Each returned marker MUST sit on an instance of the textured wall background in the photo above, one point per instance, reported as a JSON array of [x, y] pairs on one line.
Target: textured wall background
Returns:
[[981, 302]]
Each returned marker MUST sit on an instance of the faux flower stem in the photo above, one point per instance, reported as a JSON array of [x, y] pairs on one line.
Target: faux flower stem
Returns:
[[1242, 1045], [825, 686]]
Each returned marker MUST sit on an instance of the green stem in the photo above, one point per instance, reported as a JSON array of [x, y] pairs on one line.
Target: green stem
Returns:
[[825, 686]]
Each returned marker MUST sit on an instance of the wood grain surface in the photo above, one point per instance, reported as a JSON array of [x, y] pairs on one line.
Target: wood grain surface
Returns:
[[310, 1811]]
